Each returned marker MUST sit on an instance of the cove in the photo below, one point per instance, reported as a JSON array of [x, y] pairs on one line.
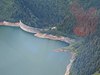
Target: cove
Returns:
[[23, 54]]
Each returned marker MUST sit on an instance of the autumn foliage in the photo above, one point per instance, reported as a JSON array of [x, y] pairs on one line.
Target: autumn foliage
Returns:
[[86, 20]]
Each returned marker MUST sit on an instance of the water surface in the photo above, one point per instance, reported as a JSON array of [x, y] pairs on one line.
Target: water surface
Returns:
[[23, 54]]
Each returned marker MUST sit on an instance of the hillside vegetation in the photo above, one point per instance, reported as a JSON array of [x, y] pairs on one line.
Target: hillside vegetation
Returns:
[[78, 19]]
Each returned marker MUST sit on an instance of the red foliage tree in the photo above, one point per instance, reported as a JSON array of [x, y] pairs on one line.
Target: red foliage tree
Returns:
[[86, 20]]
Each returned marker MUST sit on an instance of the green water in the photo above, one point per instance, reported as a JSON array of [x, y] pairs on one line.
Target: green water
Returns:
[[23, 54]]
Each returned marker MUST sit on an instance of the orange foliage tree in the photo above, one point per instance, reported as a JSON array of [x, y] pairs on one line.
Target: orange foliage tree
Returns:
[[86, 20]]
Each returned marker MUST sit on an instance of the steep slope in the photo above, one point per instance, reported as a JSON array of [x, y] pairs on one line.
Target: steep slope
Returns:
[[88, 59], [39, 13], [78, 19]]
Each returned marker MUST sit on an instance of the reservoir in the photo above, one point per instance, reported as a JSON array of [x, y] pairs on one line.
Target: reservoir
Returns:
[[23, 54]]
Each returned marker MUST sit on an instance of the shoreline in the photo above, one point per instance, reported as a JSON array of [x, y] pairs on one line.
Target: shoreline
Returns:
[[52, 37], [68, 68], [37, 33], [73, 57]]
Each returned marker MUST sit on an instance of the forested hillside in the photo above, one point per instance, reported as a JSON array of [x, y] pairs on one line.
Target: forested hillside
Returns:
[[39, 13], [87, 27], [78, 19]]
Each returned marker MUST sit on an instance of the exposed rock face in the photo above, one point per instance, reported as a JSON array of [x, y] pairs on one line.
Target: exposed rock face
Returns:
[[70, 64], [60, 38]]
